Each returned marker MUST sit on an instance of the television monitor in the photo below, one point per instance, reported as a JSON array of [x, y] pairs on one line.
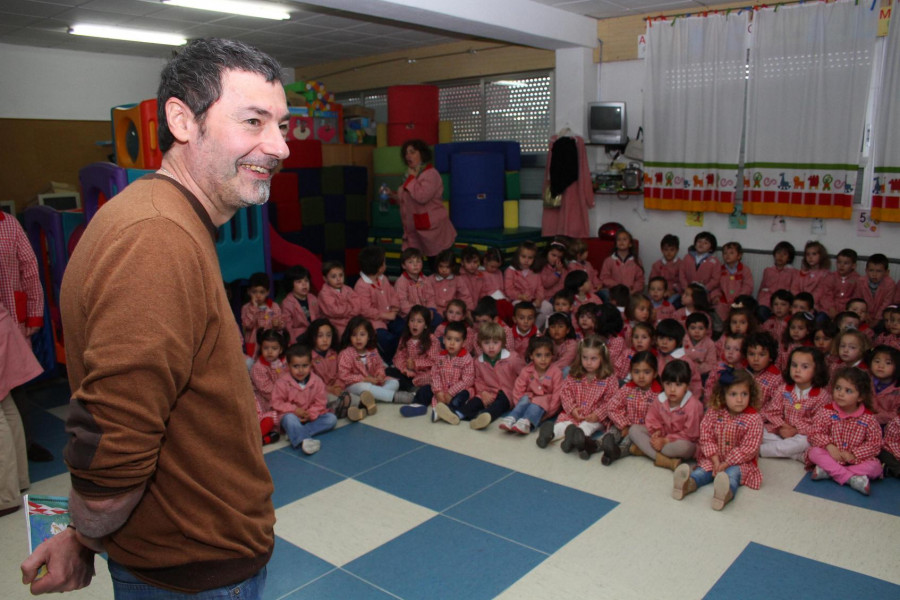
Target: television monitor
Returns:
[[607, 123], [61, 201]]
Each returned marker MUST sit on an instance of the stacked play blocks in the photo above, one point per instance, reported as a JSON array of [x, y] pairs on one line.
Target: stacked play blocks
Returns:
[[134, 135], [314, 113], [413, 113], [323, 208], [484, 170]]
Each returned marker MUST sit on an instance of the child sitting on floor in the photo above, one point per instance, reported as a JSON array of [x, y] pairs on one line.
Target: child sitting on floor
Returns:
[[300, 306], [267, 369], [537, 388], [300, 400], [259, 313]]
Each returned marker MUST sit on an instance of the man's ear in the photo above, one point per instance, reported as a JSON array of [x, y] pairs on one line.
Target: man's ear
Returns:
[[180, 119]]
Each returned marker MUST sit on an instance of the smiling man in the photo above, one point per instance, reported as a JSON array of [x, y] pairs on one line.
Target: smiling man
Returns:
[[166, 463]]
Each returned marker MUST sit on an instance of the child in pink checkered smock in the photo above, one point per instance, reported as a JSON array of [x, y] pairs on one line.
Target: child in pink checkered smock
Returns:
[[730, 435], [846, 439]]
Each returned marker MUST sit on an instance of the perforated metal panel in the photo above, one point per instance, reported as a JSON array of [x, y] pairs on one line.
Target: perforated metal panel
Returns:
[[464, 106], [519, 109]]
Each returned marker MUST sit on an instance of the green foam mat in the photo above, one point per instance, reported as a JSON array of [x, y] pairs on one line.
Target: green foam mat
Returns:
[[513, 186], [445, 177], [312, 210], [386, 160]]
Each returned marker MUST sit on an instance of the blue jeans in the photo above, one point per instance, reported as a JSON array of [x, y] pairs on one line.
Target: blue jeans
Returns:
[[703, 477], [297, 431], [128, 587], [525, 409]]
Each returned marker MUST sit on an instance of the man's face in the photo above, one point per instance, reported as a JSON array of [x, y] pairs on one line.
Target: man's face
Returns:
[[240, 142]]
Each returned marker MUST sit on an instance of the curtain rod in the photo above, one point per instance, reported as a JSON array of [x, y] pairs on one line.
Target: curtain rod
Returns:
[[740, 9]]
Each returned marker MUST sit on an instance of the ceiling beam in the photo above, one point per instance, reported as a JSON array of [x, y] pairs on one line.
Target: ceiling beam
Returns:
[[522, 22]]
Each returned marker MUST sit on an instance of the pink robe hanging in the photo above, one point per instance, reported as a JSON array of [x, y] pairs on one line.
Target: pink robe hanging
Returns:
[[571, 218]]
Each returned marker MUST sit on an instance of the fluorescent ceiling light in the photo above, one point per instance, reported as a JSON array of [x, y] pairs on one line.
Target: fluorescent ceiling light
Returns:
[[130, 35], [234, 7]]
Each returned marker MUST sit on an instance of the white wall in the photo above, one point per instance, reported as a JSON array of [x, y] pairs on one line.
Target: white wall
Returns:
[[624, 81], [43, 83]]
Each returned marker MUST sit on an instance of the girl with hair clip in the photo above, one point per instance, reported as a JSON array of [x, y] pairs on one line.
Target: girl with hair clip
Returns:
[[553, 273], [520, 282], [790, 415], [813, 274], [623, 266], [578, 251], [849, 349], [628, 407], [322, 338], [585, 398], [672, 424], [641, 341], [846, 439], [701, 265], [360, 367], [300, 306], [639, 310], [565, 345], [797, 333], [884, 368], [730, 435], [416, 354], [266, 370]]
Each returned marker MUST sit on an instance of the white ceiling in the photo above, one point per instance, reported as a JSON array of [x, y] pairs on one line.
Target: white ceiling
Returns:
[[311, 36]]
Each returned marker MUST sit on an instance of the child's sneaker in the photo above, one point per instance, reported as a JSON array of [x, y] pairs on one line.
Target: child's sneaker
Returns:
[[522, 426], [682, 482], [860, 483], [445, 414], [367, 400], [481, 421], [722, 494], [507, 424], [819, 473], [545, 434], [403, 397], [310, 446], [413, 410]]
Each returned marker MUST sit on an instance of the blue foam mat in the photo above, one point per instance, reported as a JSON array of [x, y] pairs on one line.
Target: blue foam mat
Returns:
[[882, 498]]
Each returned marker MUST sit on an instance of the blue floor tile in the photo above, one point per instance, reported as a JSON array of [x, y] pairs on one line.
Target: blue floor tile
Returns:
[[338, 586], [797, 577], [523, 508], [434, 477], [883, 496], [291, 568], [360, 448], [295, 478], [462, 562]]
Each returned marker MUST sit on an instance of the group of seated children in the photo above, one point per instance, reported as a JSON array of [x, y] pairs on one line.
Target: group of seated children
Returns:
[[591, 361]]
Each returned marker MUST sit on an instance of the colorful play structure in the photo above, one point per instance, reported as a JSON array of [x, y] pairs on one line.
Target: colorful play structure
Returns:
[[321, 205]]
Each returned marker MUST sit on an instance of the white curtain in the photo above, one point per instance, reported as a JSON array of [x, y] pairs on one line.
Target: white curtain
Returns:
[[886, 188], [810, 69], [693, 111]]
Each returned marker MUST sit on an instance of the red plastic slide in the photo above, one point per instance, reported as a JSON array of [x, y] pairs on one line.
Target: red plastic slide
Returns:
[[286, 254]]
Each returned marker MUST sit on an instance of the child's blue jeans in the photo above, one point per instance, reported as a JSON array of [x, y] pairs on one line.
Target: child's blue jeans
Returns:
[[297, 431], [526, 409], [703, 477]]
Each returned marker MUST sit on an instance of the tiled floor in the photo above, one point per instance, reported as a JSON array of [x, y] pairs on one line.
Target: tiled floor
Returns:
[[403, 508]]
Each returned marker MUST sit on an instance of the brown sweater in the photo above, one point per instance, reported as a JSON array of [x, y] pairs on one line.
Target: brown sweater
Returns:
[[161, 394]]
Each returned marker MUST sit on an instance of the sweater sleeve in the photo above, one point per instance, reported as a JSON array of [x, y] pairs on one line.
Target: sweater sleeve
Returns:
[[281, 398], [317, 396], [137, 361]]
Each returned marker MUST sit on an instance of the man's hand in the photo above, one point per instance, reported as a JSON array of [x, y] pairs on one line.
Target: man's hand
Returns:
[[70, 565]]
